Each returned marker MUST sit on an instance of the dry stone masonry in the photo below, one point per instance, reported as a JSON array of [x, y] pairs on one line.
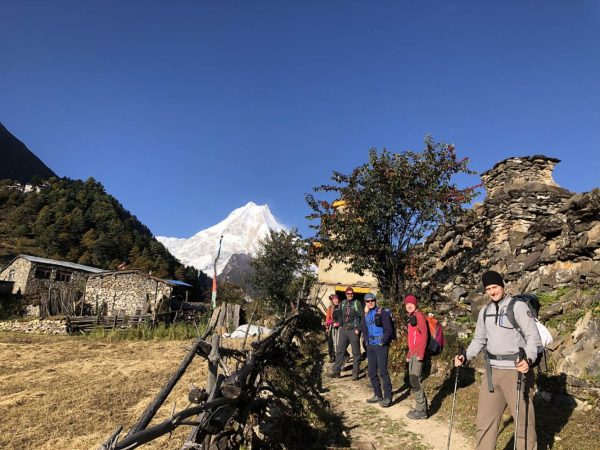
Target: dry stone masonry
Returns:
[[543, 238]]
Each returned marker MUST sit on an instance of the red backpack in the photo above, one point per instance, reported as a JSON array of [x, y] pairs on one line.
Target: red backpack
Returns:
[[435, 338]]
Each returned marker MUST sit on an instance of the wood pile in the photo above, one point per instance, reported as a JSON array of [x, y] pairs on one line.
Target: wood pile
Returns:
[[220, 413]]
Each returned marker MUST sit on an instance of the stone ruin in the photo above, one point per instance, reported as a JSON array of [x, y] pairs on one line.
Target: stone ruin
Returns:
[[542, 238]]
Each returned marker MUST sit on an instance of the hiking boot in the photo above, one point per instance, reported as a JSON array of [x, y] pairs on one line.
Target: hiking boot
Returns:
[[385, 403], [334, 375], [355, 377], [374, 399], [417, 415]]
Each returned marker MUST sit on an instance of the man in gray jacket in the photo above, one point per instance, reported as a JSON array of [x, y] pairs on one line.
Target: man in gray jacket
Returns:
[[501, 342]]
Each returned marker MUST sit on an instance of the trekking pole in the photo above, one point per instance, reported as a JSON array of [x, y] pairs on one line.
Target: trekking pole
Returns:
[[522, 356], [456, 369]]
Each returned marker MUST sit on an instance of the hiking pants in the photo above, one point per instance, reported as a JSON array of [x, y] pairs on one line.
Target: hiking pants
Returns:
[[415, 367], [492, 405], [377, 356], [330, 343], [347, 337]]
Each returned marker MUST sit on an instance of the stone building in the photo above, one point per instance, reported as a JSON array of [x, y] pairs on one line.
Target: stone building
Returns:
[[56, 286], [128, 293]]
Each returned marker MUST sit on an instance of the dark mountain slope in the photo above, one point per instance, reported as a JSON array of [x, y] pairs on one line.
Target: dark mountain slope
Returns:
[[17, 162]]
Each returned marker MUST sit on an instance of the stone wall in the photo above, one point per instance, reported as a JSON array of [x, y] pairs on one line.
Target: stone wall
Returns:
[[127, 293], [22, 269], [37, 326], [541, 237]]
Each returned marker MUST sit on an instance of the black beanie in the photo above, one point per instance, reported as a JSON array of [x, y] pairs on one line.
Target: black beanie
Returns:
[[492, 277]]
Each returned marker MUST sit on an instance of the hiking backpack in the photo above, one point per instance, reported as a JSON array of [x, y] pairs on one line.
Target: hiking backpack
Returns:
[[390, 315], [533, 304], [435, 335]]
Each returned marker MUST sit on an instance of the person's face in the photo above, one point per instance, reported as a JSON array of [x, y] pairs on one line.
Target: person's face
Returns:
[[372, 303], [335, 301], [350, 295], [495, 292], [410, 307]]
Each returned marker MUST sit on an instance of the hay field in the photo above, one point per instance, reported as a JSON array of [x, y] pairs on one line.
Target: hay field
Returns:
[[70, 392]]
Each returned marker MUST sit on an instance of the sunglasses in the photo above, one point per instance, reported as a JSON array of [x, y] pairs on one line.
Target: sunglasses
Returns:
[[349, 293], [369, 301]]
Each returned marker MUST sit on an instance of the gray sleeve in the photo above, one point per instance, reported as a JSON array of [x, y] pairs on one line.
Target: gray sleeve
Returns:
[[527, 323], [480, 339]]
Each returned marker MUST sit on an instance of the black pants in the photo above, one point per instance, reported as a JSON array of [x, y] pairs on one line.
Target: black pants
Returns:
[[348, 337], [377, 356], [330, 343]]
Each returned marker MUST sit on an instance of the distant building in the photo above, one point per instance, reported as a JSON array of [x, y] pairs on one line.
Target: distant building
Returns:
[[337, 279], [56, 286], [130, 292]]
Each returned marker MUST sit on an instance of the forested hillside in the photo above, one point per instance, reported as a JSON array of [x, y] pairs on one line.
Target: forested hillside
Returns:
[[78, 221]]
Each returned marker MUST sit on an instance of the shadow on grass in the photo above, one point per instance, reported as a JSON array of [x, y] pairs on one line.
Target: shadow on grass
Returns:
[[466, 377], [550, 417]]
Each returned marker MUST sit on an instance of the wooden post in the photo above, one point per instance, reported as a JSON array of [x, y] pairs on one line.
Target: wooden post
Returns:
[[213, 368], [213, 362]]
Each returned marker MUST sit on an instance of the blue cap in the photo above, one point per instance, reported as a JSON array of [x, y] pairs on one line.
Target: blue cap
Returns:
[[369, 297]]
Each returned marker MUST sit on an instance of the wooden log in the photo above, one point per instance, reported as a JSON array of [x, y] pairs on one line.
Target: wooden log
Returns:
[[214, 318], [213, 362], [236, 317]]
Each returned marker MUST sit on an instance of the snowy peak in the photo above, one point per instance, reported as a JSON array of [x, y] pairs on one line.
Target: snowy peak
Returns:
[[242, 230]]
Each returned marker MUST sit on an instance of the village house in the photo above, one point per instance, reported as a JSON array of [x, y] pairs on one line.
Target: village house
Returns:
[[130, 293], [51, 286]]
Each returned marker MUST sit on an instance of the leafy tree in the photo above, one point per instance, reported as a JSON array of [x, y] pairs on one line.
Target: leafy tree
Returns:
[[386, 207], [280, 262]]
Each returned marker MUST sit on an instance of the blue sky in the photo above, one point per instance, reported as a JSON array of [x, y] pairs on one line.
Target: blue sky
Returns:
[[187, 110]]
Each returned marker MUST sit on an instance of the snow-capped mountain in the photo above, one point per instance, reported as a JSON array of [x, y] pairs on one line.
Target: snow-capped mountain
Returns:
[[242, 230]]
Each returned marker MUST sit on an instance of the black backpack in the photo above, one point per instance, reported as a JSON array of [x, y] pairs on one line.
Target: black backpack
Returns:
[[390, 315], [532, 303]]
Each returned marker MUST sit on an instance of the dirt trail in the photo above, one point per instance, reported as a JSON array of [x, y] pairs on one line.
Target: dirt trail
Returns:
[[374, 427]]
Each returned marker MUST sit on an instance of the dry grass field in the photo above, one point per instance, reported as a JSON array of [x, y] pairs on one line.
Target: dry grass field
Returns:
[[71, 393]]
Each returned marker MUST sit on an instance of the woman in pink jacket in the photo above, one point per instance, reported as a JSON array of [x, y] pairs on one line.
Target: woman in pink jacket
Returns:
[[417, 343]]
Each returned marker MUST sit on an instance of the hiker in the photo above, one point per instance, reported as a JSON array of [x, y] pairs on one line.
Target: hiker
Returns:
[[417, 343], [332, 325], [501, 342], [377, 332], [349, 333]]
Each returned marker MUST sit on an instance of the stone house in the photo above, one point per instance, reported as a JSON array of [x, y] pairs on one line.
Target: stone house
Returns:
[[55, 286], [128, 293]]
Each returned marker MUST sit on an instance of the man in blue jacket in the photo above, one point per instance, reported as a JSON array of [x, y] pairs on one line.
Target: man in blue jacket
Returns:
[[377, 332]]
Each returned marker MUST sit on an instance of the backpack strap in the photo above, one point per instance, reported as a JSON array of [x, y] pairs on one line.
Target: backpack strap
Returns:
[[510, 315]]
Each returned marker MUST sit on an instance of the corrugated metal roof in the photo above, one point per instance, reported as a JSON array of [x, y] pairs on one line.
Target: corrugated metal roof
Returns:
[[54, 262], [178, 283]]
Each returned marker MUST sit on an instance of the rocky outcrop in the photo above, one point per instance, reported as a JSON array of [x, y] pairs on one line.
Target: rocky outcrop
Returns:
[[541, 237]]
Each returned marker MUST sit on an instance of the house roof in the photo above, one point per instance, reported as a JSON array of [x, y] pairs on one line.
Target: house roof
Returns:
[[53, 262]]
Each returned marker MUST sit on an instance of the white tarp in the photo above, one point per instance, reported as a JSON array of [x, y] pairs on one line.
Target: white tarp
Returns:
[[254, 330]]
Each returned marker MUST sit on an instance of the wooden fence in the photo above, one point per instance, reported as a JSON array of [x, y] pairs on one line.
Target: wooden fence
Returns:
[[85, 324]]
